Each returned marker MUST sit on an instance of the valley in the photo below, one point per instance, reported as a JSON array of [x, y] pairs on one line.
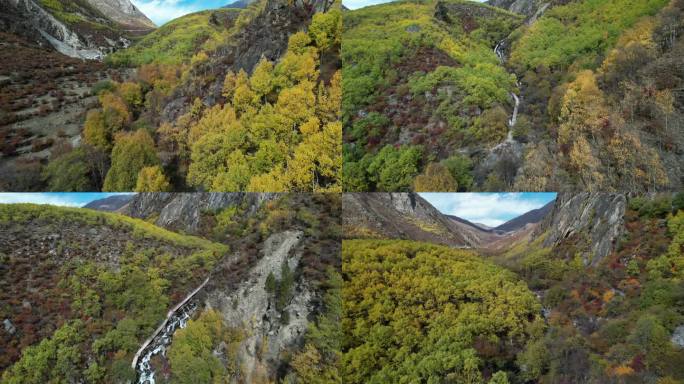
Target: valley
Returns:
[[588, 289], [209, 287]]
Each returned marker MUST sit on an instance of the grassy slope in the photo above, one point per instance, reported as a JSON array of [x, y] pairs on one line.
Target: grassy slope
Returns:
[[578, 32], [21, 213], [174, 42]]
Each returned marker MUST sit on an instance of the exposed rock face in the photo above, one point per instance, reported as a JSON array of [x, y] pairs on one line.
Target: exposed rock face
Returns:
[[183, 211], [399, 216], [594, 218], [252, 308], [123, 12], [83, 40], [523, 7], [266, 36]]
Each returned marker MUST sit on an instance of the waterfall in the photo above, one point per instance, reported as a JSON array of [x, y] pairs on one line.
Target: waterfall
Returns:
[[499, 51]]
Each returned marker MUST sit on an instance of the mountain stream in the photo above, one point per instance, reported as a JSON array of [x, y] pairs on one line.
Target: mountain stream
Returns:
[[499, 50], [160, 340]]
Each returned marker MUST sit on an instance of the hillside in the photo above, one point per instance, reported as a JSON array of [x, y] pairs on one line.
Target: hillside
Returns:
[[178, 40], [51, 60], [96, 288], [421, 80], [398, 216], [226, 100], [447, 96]]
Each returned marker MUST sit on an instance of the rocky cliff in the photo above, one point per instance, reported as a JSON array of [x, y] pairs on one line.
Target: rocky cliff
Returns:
[[251, 308], [530, 8], [593, 222], [124, 13], [77, 29], [264, 36], [184, 211]]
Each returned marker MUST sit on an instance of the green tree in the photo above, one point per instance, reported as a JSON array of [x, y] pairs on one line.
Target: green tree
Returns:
[[69, 172], [393, 169], [131, 153]]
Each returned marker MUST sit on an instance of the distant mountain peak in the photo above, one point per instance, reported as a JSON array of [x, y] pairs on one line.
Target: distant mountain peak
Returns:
[[123, 12]]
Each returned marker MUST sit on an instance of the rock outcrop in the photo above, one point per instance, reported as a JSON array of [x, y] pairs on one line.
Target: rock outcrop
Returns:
[[89, 35], [523, 7], [124, 13], [252, 308], [265, 36], [183, 211], [594, 219]]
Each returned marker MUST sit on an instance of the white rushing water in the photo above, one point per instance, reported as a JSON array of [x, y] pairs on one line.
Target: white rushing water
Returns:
[[499, 51], [161, 342]]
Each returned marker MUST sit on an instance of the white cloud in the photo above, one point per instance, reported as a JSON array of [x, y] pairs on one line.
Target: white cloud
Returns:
[[40, 198], [491, 209], [162, 11]]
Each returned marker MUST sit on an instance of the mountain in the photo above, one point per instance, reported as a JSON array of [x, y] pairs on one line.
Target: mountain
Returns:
[[477, 97], [595, 220], [533, 216], [239, 4], [192, 73], [188, 212], [137, 301], [82, 29], [109, 204], [125, 13], [178, 40], [399, 216], [409, 216]]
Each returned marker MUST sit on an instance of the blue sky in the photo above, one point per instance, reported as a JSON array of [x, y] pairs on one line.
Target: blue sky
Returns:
[[491, 209], [356, 4], [75, 199], [162, 11]]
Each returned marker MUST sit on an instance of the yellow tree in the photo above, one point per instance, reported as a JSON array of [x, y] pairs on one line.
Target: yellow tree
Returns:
[[95, 132], [328, 107], [131, 153], [583, 109], [436, 178], [229, 85], [262, 78], [152, 179], [586, 165]]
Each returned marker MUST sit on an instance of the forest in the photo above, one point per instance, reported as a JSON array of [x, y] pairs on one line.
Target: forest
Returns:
[[91, 304], [459, 96], [523, 309]]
